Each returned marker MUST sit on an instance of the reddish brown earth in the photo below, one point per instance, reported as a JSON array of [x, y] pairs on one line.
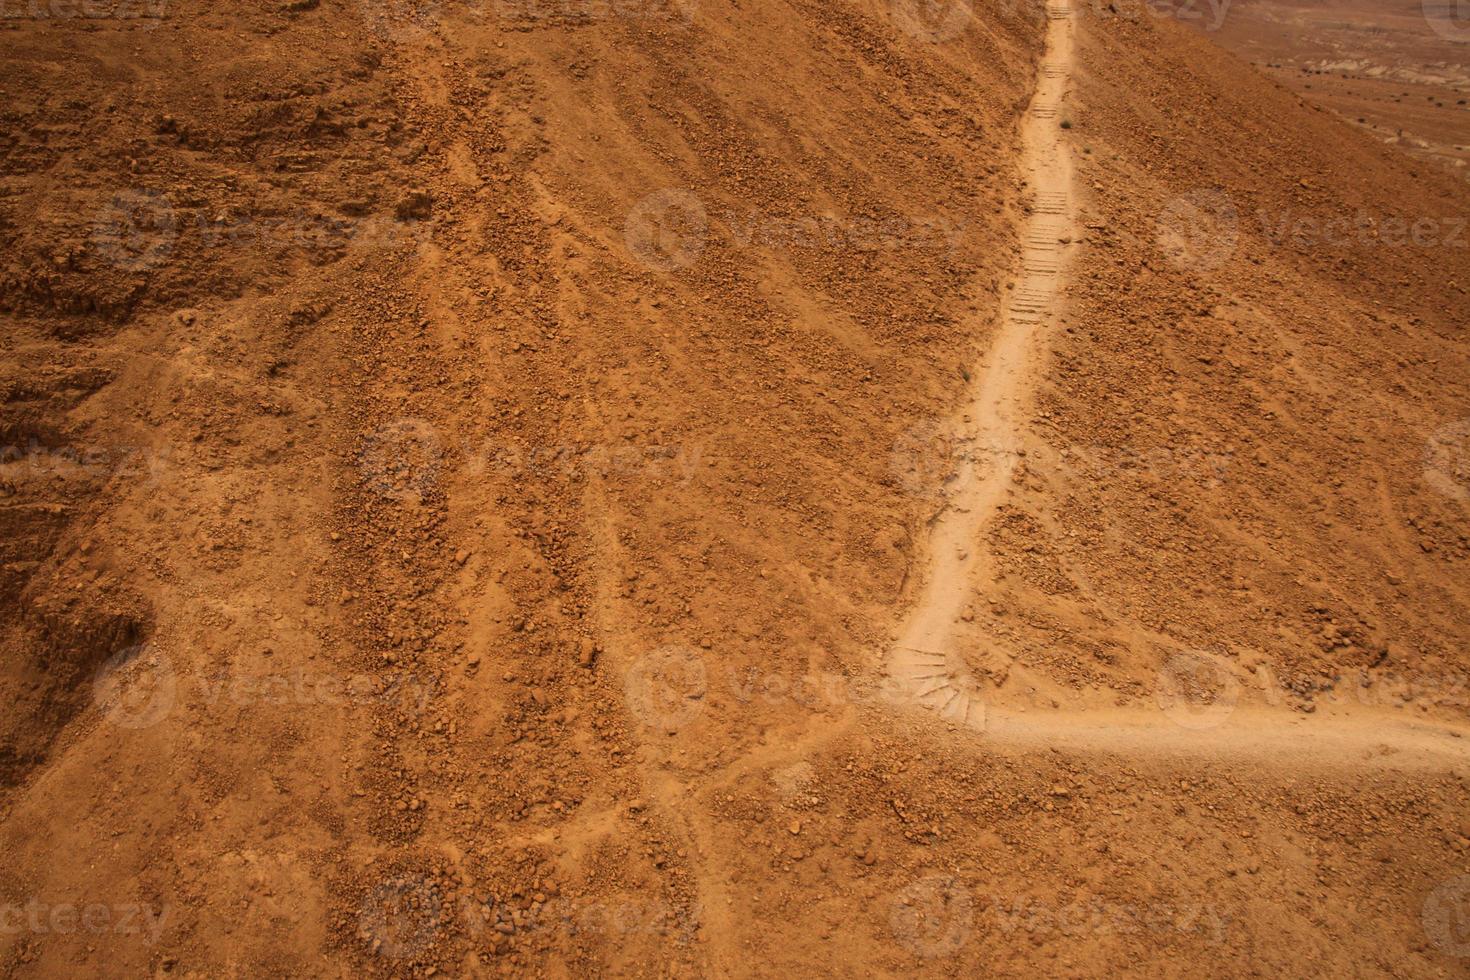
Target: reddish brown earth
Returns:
[[472, 468], [1399, 70]]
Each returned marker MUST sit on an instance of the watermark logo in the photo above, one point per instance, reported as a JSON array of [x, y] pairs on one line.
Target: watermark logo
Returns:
[[1450, 19], [400, 460], [1446, 916], [666, 687], [312, 231], [935, 21], [400, 20], [595, 9], [933, 917], [667, 230], [407, 692], [1197, 691], [36, 461], [136, 688], [850, 233], [923, 458], [139, 230], [1199, 230], [671, 229], [149, 12], [1096, 917], [1362, 228], [1207, 14], [136, 230], [401, 917], [94, 918], [1167, 463], [677, 463], [1447, 461]]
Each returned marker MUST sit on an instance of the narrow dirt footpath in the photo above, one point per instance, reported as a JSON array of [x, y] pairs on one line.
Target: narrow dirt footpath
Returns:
[[923, 665], [926, 665]]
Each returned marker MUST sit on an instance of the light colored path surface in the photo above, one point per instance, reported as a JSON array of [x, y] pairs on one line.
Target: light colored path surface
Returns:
[[1272, 738], [988, 431]]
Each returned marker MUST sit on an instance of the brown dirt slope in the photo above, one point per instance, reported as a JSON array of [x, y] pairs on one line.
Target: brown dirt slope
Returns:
[[468, 462], [390, 442], [1246, 413]]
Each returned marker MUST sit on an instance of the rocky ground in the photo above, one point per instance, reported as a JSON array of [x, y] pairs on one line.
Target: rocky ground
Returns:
[[467, 464]]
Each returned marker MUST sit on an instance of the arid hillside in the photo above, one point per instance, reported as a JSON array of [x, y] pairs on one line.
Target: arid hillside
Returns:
[[1399, 69], [497, 488]]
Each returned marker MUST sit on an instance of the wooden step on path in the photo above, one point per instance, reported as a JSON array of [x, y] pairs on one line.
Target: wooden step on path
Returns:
[[931, 683], [1047, 241]]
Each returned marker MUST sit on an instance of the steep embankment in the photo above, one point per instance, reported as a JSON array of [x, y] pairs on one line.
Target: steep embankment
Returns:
[[1253, 424], [460, 357], [545, 427]]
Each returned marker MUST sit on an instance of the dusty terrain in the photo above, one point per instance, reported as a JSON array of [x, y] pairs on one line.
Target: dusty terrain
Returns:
[[1398, 70], [769, 489]]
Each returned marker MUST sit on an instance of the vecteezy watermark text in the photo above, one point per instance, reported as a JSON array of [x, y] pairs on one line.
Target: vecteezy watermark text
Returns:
[[138, 687], [139, 229], [669, 462], [936, 917], [34, 460], [670, 229], [1201, 229], [670, 687], [94, 918], [941, 21], [401, 917], [147, 10], [1362, 228], [595, 9]]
